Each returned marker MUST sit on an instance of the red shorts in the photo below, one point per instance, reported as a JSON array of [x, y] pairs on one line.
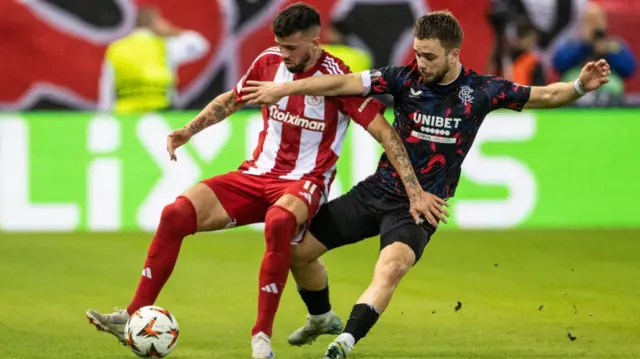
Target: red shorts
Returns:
[[246, 198]]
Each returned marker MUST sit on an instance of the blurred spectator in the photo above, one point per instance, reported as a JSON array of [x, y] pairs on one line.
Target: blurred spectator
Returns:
[[139, 70], [337, 34], [593, 42], [527, 67]]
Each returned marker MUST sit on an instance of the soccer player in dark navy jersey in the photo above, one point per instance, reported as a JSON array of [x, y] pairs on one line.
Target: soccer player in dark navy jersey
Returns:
[[439, 106]]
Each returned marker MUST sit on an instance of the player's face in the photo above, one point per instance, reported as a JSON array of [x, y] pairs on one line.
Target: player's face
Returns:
[[434, 62], [296, 50]]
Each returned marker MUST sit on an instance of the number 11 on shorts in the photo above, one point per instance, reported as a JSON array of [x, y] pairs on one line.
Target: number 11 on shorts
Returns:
[[310, 187]]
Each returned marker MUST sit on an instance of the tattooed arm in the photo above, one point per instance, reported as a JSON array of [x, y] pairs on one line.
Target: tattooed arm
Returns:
[[217, 110], [422, 204], [397, 153]]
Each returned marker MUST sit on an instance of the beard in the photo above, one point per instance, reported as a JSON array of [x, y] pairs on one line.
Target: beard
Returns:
[[438, 76], [299, 67]]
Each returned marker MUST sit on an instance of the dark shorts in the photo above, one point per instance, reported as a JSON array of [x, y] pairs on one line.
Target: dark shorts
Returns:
[[364, 212]]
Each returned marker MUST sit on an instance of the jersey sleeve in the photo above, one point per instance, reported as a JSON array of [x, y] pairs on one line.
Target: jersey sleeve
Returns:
[[251, 74], [507, 94], [255, 71], [361, 109], [386, 80]]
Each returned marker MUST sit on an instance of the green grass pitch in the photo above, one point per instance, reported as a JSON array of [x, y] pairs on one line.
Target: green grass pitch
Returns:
[[522, 293]]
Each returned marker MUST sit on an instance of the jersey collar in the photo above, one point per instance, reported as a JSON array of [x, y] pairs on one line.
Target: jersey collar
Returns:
[[455, 79]]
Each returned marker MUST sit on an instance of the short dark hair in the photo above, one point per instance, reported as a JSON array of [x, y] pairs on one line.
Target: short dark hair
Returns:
[[295, 18], [441, 25]]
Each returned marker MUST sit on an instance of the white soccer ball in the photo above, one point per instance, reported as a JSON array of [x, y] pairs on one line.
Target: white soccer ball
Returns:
[[151, 332]]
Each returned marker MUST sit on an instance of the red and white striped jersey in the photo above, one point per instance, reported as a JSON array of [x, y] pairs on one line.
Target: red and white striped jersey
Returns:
[[303, 135]]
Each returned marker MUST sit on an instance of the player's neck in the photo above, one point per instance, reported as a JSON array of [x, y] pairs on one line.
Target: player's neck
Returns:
[[313, 60], [452, 75]]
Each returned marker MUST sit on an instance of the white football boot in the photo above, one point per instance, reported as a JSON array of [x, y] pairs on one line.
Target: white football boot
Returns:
[[261, 346], [112, 323]]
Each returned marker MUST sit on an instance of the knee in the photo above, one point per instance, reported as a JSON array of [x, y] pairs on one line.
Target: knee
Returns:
[[279, 219], [178, 219], [389, 273], [307, 252], [300, 259], [280, 228]]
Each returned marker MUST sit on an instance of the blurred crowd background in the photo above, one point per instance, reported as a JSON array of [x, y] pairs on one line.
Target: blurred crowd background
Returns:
[[123, 55]]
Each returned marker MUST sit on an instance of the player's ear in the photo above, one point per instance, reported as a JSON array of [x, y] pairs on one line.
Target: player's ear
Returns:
[[454, 55], [316, 42]]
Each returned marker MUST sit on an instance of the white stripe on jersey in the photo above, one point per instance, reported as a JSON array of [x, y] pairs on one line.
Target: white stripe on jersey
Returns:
[[328, 176], [270, 51], [341, 132], [314, 108], [335, 65], [267, 158], [343, 120]]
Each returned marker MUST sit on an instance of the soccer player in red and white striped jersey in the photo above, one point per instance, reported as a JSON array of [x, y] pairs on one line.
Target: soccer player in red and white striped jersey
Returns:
[[284, 183], [303, 135]]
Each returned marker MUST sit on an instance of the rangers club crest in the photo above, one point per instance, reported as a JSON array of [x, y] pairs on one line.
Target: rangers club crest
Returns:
[[465, 94]]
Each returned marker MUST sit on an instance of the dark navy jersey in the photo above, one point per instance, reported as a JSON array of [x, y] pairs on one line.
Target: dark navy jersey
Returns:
[[438, 123]]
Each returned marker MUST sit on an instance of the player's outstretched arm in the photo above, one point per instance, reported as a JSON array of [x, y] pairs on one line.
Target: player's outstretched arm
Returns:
[[217, 110], [421, 203], [267, 93], [592, 76], [327, 85]]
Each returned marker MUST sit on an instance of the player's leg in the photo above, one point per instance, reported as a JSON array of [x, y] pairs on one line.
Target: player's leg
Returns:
[[198, 209], [286, 218], [401, 247], [312, 283], [283, 221], [311, 275], [342, 221]]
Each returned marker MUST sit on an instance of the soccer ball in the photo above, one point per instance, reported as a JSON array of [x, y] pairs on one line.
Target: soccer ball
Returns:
[[151, 332]]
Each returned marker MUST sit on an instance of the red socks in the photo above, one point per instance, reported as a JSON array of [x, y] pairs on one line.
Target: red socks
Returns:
[[280, 228], [178, 220]]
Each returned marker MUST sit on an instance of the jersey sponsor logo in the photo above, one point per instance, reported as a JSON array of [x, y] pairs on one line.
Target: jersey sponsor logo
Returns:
[[435, 128], [285, 117], [438, 139]]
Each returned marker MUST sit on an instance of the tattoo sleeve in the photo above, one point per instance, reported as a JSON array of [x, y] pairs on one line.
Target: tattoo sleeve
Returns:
[[399, 158], [217, 110]]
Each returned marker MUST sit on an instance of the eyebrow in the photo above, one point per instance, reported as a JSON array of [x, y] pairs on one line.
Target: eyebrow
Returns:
[[284, 45], [424, 53]]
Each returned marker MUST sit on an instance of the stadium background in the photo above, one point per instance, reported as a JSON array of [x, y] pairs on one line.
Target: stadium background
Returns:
[[544, 244]]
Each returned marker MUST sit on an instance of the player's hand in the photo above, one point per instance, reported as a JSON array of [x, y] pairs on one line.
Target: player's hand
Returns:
[[594, 74], [262, 93], [429, 207], [176, 139]]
